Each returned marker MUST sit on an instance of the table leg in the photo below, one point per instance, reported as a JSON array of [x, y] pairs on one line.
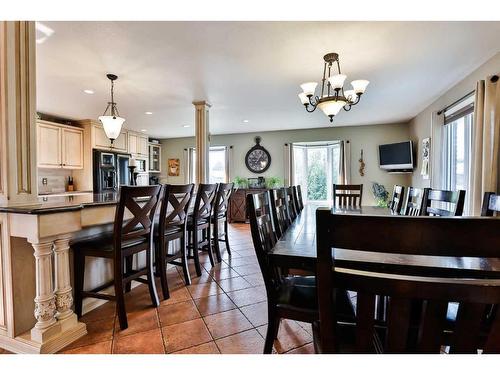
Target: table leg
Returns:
[[64, 298], [45, 301]]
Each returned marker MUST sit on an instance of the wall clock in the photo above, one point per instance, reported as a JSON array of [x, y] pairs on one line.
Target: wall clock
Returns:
[[257, 158]]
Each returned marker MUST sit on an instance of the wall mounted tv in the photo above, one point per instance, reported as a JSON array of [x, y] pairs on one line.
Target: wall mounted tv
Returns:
[[396, 157]]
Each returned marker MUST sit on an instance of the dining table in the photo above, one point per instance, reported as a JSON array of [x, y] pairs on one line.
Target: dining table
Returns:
[[296, 249]]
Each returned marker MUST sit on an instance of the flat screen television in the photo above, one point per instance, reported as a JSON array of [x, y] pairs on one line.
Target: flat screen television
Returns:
[[396, 156]]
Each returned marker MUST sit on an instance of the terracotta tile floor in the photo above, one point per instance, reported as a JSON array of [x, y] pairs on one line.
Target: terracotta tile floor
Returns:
[[223, 311]]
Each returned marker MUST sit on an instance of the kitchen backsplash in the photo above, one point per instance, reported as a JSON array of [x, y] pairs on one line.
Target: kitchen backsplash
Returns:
[[56, 180]]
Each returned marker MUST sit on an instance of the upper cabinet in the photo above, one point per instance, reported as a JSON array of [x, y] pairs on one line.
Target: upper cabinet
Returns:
[[154, 158], [138, 144], [101, 141], [59, 146]]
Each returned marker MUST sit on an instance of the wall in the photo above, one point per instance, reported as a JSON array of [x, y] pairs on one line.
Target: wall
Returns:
[[362, 137], [420, 126]]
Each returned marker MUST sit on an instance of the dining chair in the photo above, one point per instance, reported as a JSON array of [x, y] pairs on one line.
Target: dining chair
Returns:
[[414, 201], [347, 195], [447, 203], [279, 211], [441, 238], [491, 204], [299, 196], [298, 202], [172, 226], [397, 198], [199, 220], [290, 203], [130, 236], [220, 217]]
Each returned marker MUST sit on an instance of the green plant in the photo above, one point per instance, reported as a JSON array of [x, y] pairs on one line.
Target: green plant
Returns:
[[240, 182], [380, 194], [273, 182]]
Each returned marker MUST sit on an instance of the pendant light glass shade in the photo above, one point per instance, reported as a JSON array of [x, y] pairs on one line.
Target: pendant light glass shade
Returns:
[[337, 81], [112, 126], [359, 85], [303, 98], [350, 95], [331, 107], [309, 88]]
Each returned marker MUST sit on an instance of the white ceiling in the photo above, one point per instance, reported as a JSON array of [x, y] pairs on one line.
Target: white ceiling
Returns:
[[251, 70]]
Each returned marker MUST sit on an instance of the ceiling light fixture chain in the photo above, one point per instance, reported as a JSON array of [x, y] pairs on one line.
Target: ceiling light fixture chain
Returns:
[[333, 98]]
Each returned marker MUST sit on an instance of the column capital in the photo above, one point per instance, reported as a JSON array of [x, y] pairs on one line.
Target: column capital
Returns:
[[198, 103]]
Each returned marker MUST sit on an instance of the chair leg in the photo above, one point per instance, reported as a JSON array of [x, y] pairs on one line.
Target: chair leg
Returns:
[[151, 279], [120, 297], [195, 251], [216, 241], [161, 265], [185, 269], [226, 236], [206, 237], [128, 268], [79, 267], [272, 330]]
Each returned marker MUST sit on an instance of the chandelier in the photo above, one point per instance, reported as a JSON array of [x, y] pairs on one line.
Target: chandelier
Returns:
[[112, 122], [333, 97]]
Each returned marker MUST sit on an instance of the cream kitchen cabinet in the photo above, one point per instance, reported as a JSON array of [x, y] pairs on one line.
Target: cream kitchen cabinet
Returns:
[[59, 146], [101, 141], [138, 144]]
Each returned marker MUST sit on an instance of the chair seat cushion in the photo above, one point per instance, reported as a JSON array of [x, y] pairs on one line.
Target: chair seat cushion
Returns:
[[171, 229], [103, 243], [190, 221]]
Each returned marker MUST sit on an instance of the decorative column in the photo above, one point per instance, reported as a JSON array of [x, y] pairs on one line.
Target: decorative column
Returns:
[[45, 300], [202, 140], [64, 298]]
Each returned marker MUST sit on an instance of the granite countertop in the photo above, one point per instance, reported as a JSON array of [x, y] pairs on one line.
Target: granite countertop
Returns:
[[53, 204]]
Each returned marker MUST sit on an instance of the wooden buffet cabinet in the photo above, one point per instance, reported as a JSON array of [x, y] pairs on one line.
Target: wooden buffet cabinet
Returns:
[[237, 204]]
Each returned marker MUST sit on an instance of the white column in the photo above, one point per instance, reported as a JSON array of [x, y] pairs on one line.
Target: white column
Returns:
[[202, 132], [64, 298], [45, 300]]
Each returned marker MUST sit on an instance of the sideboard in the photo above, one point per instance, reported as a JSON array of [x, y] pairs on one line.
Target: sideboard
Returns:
[[237, 204]]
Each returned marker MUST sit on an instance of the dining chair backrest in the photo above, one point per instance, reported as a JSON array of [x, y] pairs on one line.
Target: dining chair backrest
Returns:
[[279, 211], [448, 203], [416, 236], [414, 201], [203, 203], [141, 202], [299, 197], [221, 204], [264, 239], [491, 204], [290, 202], [174, 205], [347, 195], [397, 198]]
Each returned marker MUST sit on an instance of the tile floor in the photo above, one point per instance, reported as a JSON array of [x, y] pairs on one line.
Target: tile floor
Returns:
[[223, 311]]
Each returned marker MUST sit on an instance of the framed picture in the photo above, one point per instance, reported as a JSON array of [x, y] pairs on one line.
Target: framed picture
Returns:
[[426, 158], [174, 167]]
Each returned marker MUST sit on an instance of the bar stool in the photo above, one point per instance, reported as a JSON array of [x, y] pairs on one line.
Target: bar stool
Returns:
[[129, 237], [290, 202], [199, 220], [221, 207], [172, 226]]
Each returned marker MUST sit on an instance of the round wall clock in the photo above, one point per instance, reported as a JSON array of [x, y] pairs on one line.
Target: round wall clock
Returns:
[[258, 158]]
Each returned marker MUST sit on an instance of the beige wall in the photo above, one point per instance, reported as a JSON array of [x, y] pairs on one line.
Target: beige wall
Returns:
[[362, 137], [420, 126]]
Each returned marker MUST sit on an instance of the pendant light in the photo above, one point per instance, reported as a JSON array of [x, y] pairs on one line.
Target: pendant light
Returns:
[[112, 122]]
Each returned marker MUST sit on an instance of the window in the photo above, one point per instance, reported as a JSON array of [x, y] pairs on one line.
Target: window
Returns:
[[316, 169], [457, 146], [217, 164]]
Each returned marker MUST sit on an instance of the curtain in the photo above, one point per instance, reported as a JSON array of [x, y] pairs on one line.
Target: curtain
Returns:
[[288, 164], [229, 163], [345, 163], [486, 137], [436, 162]]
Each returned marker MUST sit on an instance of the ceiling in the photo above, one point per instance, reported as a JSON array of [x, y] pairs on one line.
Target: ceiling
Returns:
[[251, 70]]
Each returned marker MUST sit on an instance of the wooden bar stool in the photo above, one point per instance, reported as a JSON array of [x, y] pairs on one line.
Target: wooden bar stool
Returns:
[[221, 207], [279, 211], [172, 226], [199, 220], [414, 201], [129, 237], [397, 198], [299, 198], [290, 202]]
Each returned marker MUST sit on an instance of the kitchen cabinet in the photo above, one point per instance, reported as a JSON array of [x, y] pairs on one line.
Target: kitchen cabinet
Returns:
[[138, 144], [101, 141], [154, 158], [59, 146]]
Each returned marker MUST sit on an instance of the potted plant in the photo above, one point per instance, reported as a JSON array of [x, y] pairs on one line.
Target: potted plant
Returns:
[[273, 182], [380, 194], [240, 183]]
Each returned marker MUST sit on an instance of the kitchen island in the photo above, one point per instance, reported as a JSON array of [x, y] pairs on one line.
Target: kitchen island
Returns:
[[36, 306]]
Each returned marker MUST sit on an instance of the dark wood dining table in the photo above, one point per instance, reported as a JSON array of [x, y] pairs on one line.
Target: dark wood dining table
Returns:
[[297, 250]]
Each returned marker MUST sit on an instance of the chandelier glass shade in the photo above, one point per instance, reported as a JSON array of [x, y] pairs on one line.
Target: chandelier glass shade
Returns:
[[111, 120], [333, 97]]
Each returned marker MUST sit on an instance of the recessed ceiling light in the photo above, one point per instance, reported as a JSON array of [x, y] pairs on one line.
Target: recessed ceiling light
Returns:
[[88, 91], [143, 130], [185, 126], [245, 121], [148, 113]]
